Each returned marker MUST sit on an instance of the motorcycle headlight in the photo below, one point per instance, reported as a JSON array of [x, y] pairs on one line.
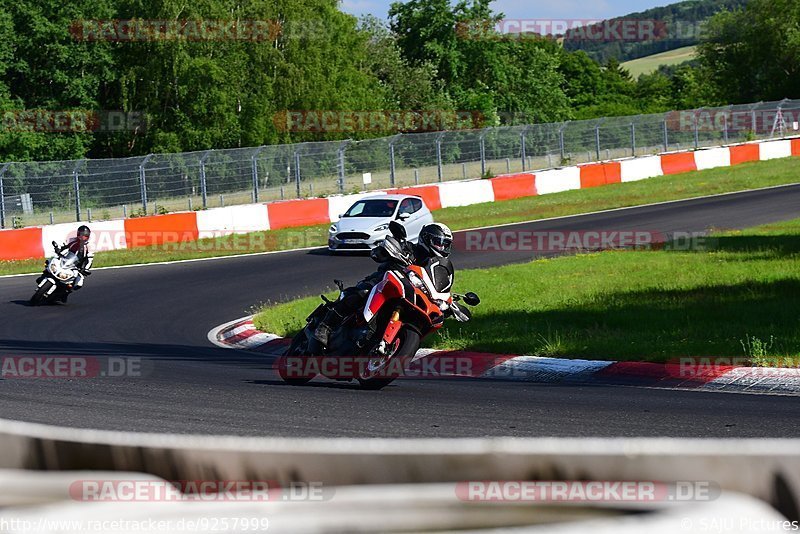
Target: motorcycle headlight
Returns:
[[416, 281], [382, 228]]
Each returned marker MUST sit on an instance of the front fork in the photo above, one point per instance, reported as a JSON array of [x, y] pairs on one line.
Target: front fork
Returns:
[[391, 331]]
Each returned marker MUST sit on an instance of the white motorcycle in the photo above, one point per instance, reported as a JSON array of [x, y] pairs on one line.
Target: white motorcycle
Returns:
[[60, 273]]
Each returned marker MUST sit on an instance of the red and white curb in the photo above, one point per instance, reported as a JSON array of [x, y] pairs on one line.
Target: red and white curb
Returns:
[[694, 374]]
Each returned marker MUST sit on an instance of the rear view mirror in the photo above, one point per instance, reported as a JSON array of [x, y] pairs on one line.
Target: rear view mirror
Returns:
[[462, 315], [472, 299], [397, 230]]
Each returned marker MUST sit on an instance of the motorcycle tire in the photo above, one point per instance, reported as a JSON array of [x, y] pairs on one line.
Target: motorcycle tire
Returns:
[[40, 297], [290, 364], [409, 341]]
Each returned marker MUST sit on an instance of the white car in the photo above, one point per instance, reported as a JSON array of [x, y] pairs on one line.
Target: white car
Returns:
[[366, 222]]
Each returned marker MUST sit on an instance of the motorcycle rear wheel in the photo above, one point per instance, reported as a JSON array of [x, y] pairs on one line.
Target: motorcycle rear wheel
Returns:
[[290, 365], [377, 378]]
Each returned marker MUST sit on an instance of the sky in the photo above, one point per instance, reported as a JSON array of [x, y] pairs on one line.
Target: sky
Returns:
[[530, 9]]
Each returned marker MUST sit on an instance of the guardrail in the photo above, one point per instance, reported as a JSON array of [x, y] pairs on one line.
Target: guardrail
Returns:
[[767, 470]]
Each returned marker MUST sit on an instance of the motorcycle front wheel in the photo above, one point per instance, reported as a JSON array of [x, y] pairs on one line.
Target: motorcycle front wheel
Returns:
[[41, 293], [381, 370]]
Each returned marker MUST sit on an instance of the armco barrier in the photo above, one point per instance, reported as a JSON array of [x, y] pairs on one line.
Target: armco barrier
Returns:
[[514, 186], [160, 229], [678, 163], [744, 153], [453, 194], [768, 469], [291, 213], [635, 169], [712, 158], [22, 244], [232, 220], [597, 174], [558, 180], [106, 235], [186, 226], [428, 193]]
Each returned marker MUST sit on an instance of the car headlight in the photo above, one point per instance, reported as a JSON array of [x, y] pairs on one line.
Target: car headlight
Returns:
[[333, 229], [382, 227]]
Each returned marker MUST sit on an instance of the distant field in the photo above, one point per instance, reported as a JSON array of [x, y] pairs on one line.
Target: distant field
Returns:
[[648, 64]]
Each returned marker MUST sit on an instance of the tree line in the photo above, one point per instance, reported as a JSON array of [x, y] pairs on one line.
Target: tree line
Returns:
[[189, 90]]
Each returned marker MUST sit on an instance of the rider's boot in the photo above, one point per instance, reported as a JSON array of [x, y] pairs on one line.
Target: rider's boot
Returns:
[[329, 323]]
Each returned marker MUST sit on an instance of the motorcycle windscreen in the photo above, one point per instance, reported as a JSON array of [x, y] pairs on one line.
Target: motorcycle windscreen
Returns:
[[69, 261]]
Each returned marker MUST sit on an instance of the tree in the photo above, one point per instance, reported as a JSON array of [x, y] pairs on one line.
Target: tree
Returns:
[[754, 53]]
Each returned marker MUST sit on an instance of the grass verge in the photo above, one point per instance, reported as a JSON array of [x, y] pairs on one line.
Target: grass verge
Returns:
[[738, 298], [681, 186]]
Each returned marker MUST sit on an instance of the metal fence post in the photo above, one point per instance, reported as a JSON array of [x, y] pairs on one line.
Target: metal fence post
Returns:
[[666, 137], [77, 187], [439, 170], [696, 132], [341, 151], [392, 167], [143, 181], [483, 150], [297, 172], [725, 127], [254, 160], [523, 146], [3, 197], [203, 184], [561, 143], [633, 139], [597, 141]]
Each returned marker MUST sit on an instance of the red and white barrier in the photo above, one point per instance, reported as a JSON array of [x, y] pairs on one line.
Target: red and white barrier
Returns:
[[29, 243], [558, 180], [635, 169], [712, 158], [453, 194]]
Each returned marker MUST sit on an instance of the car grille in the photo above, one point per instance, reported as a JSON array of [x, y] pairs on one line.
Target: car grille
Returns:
[[352, 235]]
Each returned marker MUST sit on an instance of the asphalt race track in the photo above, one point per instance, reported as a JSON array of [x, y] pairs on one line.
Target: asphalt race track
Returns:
[[162, 314]]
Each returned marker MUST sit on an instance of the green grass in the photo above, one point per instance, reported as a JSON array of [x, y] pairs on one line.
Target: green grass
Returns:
[[674, 187], [648, 64], [740, 298]]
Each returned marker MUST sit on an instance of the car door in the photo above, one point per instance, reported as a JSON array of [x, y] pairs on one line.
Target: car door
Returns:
[[407, 207], [414, 223]]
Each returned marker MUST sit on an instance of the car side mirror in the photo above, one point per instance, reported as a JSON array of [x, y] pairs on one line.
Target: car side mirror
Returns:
[[397, 230], [404, 216], [472, 299]]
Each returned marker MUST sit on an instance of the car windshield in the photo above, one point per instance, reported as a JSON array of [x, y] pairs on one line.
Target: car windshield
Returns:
[[372, 208]]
